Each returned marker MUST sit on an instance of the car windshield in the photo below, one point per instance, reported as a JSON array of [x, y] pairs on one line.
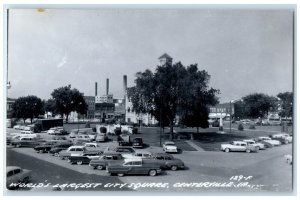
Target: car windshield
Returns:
[[170, 144]]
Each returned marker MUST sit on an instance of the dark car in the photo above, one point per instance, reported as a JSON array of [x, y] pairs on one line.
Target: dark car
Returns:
[[166, 161], [133, 166], [59, 147], [105, 159], [45, 147], [85, 158], [137, 143], [26, 142]]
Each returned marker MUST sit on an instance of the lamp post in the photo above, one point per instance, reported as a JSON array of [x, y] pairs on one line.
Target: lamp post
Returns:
[[230, 116]]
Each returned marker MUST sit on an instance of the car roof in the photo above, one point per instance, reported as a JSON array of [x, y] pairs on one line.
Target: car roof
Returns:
[[169, 142], [142, 151], [133, 159], [76, 146], [10, 168]]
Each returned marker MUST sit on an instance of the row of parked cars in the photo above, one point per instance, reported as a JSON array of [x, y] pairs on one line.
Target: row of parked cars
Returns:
[[256, 144]]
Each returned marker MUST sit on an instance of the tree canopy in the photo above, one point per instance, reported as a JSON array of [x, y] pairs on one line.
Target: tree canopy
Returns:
[[68, 100], [259, 104], [173, 90], [286, 104], [27, 107]]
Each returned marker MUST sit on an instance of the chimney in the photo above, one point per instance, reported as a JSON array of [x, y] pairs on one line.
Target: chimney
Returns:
[[96, 88], [107, 86], [125, 84]]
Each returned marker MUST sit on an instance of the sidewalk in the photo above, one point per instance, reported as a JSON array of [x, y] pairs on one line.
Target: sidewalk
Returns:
[[192, 144]]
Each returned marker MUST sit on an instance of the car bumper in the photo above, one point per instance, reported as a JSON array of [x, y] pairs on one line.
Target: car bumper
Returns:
[[171, 150]]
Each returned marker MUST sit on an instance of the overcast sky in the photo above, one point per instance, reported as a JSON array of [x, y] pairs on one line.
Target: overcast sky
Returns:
[[244, 51]]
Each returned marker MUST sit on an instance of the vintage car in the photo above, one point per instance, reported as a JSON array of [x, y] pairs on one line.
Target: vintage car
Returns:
[[284, 138], [268, 141], [137, 143], [101, 137], [238, 146], [170, 147], [289, 158], [124, 150], [105, 159], [258, 145], [17, 127], [59, 147], [138, 154], [85, 158], [166, 161], [81, 139], [78, 151], [44, 147], [26, 142], [133, 166], [15, 174]]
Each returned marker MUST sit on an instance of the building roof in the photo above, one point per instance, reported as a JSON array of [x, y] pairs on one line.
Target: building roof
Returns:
[[165, 55]]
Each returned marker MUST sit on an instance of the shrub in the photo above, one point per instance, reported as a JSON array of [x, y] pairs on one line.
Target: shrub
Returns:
[[240, 127], [103, 129], [135, 130], [118, 131], [252, 126]]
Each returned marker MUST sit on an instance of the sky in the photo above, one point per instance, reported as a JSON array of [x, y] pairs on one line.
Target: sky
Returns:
[[244, 51]]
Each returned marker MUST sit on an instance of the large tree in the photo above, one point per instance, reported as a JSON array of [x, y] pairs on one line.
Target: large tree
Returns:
[[28, 107], [195, 97], [286, 104], [68, 100], [259, 105], [173, 90]]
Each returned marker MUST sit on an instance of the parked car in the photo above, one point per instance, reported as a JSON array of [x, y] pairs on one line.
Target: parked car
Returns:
[[59, 147], [15, 174], [44, 147], [170, 147], [133, 166], [26, 142], [17, 127], [137, 143], [101, 137], [166, 161], [268, 141], [258, 145], [77, 151], [284, 138], [51, 131], [107, 157], [85, 158], [238, 146], [29, 133], [138, 154], [124, 140], [124, 150], [80, 139]]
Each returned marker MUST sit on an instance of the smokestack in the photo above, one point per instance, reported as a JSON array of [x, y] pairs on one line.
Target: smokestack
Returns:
[[125, 84], [107, 86], [96, 89]]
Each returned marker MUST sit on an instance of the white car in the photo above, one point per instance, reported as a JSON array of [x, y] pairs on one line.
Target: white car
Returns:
[[17, 127], [287, 138], [138, 154], [51, 131], [255, 144], [170, 147], [238, 146], [268, 140], [15, 174]]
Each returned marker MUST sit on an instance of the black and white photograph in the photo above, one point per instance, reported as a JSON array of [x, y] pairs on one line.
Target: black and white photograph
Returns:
[[137, 99]]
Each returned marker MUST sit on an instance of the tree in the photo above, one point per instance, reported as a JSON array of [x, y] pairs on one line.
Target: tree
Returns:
[[28, 107], [195, 97], [68, 100], [259, 105], [286, 104], [173, 90], [49, 106]]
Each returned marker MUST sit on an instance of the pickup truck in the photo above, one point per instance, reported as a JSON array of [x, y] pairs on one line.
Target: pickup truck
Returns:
[[78, 151]]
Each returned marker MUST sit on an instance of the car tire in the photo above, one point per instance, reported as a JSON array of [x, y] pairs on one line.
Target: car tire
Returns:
[[248, 150], [41, 151], [18, 145], [174, 167], [79, 162], [120, 174], [62, 158], [152, 172], [227, 150], [100, 167]]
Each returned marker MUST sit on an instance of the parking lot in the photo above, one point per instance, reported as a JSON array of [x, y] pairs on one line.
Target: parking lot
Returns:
[[266, 170]]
